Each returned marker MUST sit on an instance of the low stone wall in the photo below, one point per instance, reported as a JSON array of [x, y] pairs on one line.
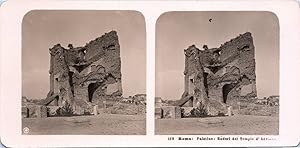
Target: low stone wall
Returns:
[[175, 112], [158, 113], [34, 111], [172, 112], [25, 112], [53, 111], [186, 111], [124, 108], [259, 110]]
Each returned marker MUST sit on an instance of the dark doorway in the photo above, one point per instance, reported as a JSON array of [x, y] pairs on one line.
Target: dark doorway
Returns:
[[226, 89], [91, 89], [191, 86], [71, 82], [205, 82]]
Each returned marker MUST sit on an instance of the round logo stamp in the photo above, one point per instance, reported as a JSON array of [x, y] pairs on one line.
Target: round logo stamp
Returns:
[[25, 130]]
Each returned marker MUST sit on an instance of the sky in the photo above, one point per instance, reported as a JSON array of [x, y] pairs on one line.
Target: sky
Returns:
[[175, 31], [42, 29]]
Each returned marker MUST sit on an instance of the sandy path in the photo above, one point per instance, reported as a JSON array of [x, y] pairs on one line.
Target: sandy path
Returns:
[[103, 124], [234, 125]]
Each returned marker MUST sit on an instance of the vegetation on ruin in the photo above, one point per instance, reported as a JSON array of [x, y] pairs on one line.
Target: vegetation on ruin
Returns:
[[200, 111], [66, 110]]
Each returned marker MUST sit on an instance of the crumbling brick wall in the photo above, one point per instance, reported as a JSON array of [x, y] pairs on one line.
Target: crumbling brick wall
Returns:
[[194, 79], [85, 75], [225, 74]]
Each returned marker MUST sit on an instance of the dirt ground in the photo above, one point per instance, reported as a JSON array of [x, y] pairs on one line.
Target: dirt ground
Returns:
[[103, 124], [234, 125]]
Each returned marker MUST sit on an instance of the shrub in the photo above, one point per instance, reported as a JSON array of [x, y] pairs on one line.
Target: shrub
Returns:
[[199, 111], [66, 110], [220, 114]]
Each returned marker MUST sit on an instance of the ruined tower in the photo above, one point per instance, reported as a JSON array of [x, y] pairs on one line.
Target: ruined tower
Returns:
[[220, 77], [84, 76]]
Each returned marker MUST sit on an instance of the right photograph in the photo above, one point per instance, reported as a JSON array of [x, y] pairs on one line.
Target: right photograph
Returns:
[[217, 73]]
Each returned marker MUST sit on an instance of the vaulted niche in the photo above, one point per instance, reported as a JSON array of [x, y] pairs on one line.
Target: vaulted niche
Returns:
[[91, 90], [191, 85], [226, 89], [71, 81], [205, 82], [214, 68]]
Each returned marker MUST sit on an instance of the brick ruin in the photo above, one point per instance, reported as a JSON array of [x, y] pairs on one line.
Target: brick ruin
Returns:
[[220, 77], [83, 76]]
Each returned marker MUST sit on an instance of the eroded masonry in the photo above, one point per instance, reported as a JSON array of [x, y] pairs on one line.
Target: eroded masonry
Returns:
[[220, 77], [86, 75]]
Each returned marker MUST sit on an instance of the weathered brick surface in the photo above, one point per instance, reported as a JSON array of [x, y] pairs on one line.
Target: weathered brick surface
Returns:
[[225, 74], [25, 112], [89, 73], [172, 112], [37, 111], [158, 113], [158, 102]]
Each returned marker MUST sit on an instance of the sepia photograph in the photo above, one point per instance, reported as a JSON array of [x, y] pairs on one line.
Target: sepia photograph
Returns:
[[83, 72], [149, 73], [217, 73]]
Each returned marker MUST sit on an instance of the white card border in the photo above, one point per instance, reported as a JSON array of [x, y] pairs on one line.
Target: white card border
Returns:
[[13, 11]]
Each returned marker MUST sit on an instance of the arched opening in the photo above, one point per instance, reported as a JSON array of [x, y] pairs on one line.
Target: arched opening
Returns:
[[91, 89], [205, 82], [191, 86], [226, 89], [214, 67], [245, 80], [71, 81], [56, 85]]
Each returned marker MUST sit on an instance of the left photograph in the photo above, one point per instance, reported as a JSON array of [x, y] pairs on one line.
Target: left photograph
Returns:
[[83, 72]]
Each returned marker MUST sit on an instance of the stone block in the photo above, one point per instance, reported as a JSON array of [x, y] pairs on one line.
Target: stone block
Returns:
[[95, 110], [32, 113], [104, 104], [158, 102], [24, 112], [37, 111], [53, 110], [43, 111], [158, 113], [172, 112], [229, 111], [186, 111]]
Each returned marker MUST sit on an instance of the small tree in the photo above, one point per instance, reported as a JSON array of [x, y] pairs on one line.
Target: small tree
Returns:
[[67, 109], [199, 111]]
